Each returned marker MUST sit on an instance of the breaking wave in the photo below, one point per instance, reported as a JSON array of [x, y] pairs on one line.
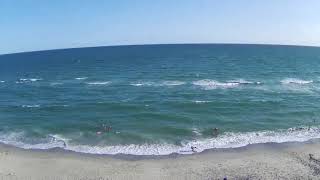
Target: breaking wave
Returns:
[[200, 102], [99, 83], [226, 140], [212, 84], [242, 81], [81, 78], [295, 81], [30, 79], [161, 83], [31, 106]]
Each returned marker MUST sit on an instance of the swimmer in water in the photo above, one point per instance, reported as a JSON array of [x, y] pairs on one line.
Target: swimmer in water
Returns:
[[215, 132], [193, 149], [105, 128]]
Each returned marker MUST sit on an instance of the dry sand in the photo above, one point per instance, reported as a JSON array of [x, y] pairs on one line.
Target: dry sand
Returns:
[[264, 161]]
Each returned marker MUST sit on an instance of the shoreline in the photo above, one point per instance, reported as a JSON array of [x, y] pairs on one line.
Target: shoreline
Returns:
[[134, 157], [224, 141], [257, 161]]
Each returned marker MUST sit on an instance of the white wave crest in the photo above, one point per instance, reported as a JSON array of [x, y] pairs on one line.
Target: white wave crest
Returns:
[[2, 81], [81, 78], [212, 84], [196, 131], [244, 82], [226, 140], [30, 79], [142, 84], [34, 79], [31, 106], [162, 83], [172, 83], [295, 81], [99, 83], [200, 102]]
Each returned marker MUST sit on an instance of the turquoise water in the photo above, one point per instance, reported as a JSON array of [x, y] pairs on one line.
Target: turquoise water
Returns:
[[159, 99]]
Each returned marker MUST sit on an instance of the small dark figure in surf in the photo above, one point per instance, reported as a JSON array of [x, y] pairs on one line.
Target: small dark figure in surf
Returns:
[[314, 122], [106, 128], [215, 132], [311, 156], [193, 149]]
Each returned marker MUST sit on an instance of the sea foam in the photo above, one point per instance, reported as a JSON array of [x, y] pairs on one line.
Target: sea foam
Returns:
[[226, 140], [244, 82], [161, 83], [200, 102], [81, 78], [99, 83], [31, 106], [141, 84], [212, 84], [171, 83], [30, 79], [295, 81]]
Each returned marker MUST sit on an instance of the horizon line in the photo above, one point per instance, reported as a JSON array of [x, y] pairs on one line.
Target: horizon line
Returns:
[[159, 44]]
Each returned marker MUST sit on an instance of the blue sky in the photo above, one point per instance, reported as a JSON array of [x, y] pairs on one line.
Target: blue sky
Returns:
[[28, 25]]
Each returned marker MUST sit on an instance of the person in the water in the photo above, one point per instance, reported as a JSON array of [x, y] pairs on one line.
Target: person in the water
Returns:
[[215, 132], [105, 129], [193, 149]]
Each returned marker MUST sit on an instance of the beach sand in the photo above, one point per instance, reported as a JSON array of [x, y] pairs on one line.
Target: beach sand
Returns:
[[262, 161]]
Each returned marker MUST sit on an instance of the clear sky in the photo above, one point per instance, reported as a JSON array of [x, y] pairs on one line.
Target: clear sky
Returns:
[[28, 25]]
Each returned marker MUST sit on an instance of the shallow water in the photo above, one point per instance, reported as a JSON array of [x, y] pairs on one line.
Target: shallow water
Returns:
[[159, 99]]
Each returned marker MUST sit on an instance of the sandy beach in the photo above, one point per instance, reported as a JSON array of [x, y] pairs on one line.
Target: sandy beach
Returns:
[[262, 161]]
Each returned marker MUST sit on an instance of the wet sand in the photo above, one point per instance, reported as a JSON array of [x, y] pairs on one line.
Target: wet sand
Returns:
[[262, 161]]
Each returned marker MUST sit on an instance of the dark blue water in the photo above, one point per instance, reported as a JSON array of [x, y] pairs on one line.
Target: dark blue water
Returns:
[[159, 99]]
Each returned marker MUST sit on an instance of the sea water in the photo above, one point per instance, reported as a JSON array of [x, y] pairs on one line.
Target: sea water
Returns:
[[159, 99]]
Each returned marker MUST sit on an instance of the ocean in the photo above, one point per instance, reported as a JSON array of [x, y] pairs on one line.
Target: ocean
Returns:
[[159, 99]]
